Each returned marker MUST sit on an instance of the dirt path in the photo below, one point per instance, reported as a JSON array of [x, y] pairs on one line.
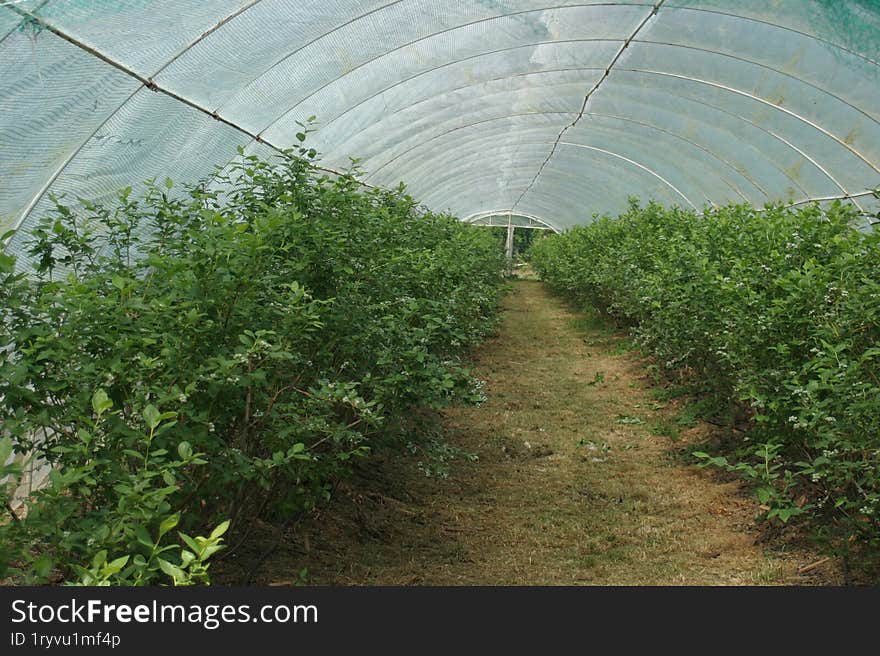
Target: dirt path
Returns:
[[577, 482]]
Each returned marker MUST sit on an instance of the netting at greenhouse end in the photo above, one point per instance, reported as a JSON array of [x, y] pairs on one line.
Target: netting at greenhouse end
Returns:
[[550, 112]]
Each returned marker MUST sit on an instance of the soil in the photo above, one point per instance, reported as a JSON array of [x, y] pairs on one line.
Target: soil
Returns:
[[578, 474]]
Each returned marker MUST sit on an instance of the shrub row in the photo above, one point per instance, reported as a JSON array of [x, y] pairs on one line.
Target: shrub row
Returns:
[[183, 358], [775, 314]]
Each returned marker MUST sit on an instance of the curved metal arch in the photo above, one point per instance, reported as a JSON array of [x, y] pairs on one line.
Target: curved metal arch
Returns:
[[454, 157], [634, 163], [690, 166], [596, 199], [364, 179], [793, 114], [734, 15], [204, 35], [631, 162], [482, 54], [289, 54], [850, 196], [815, 37], [463, 127], [574, 208], [760, 127], [825, 199], [600, 201], [692, 143], [598, 205], [465, 161], [433, 162], [722, 131], [144, 83], [590, 93], [431, 117], [466, 169], [454, 62], [765, 67], [435, 34], [543, 72], [428, 117], [767, 131], [460, 177], [533, 217], [746, 94], [44, 189], [743, 59], [518, 151], [482, 82], [811, 159], [15, 29], [288, 111], [451, 63]]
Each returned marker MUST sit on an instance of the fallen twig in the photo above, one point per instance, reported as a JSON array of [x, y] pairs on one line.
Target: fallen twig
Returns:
[[812, 566]]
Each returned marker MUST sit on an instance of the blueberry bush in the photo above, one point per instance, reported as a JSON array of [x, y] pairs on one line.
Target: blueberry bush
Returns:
[[773, 315], [187, 359]]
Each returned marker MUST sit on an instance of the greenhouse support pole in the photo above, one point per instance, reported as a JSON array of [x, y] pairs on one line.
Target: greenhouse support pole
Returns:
[[509, 245]]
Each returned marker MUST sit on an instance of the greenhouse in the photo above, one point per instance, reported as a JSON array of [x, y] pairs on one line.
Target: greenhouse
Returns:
[[267, 261]]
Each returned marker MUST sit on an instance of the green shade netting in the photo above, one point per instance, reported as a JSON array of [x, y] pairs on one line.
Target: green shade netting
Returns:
[[549, 111]]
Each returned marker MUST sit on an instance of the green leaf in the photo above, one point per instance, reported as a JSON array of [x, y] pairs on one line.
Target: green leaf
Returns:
[[7, 263], [43, 566], [185, 450], [784, 514], [99, 558], [168, 523], [143, 536], [101, 402], [115, 566], [189, 542], [6, 448], [172, 570], [220, 530], [151, 416], [764, 494]]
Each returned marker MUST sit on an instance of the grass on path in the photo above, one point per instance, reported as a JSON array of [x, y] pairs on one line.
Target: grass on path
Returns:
[[579, 480]]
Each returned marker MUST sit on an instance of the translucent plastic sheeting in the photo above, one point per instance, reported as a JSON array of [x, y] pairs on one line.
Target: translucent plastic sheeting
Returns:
[[554, 111]]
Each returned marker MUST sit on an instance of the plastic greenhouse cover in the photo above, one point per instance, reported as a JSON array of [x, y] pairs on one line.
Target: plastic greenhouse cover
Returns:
[[544, 111]]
